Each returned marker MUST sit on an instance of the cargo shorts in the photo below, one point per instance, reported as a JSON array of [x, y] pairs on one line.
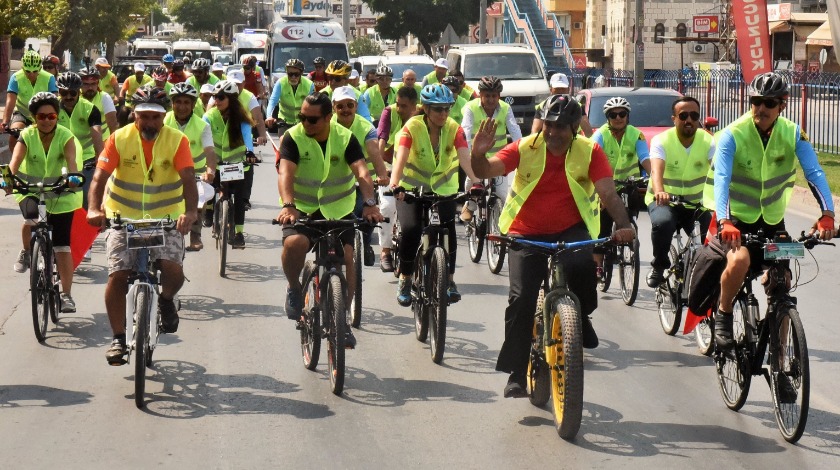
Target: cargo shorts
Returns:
[[120, 258]]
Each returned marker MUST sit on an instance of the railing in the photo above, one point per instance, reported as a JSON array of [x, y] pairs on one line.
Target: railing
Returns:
[[551, 19], [522, 24]]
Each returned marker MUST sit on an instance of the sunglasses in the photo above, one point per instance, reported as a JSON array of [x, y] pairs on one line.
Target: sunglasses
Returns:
[[694, 115], [293, 74], [768, 103], [336, 79], [440, 109], [220, 97], [31, 70], [341, 106], [309, 119], [620, 114], [46, 116], [69, 93]]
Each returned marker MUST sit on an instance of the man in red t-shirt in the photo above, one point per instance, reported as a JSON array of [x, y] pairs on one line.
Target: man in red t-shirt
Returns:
[[543, 206]]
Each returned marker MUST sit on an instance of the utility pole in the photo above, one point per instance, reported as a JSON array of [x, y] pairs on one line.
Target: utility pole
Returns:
[[345, 17], [639, 72], [482, 22]]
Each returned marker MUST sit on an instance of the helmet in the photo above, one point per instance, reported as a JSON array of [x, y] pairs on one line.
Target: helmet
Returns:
[[616, 102], [85, 72], [160, 73], [490, 83], [168, 59], [295, 64], [183, 89], [201, 64], [449, 80], [227, 87], [436, 94], [42, 98], [51, 59], [31, 61], [383, 70], [249, 60], [562, 109], [338, 67], [69, 81], [150, 95], [770, 84], [319, 61], [178, 65]]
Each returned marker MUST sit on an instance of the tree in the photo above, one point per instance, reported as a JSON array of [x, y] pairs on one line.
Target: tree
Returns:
[[208, 15], [91, 22], [31, 18], [363, 46], [424, 19]]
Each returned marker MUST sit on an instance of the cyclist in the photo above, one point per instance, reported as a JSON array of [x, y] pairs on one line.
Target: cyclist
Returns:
[[488, 105], [753, 180], [254, 76], [465, 91], [159, 79], [250, 104], [230, 124], [319, 76], [177, 74], [377, 98], [679, 162], [205, 93], [338, 75], [23, 85], [108, 83], [201, 76], [559, 85], [307, 186], [626, 150], [203, 152], [457, 112], [436, 75], [554, 198], [370, 80], [133, 83], [40, 154], [289, 93], [100, 99], [354, 80], [51, 64], [409, 79], [431, 147], [218, 71], [391, 121], [146, 189], [168, 61]]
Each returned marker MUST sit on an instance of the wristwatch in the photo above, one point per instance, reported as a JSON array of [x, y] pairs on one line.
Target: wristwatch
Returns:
[[370, 202]]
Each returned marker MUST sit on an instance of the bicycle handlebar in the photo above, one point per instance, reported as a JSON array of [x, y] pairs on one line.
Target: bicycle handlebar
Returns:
[[338, 223], [118, 222], [759, 239], [555, 247], [20, 186], [678, 200], [425, 196]]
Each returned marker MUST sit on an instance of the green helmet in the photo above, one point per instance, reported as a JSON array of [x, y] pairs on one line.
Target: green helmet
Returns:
[[31, 61]]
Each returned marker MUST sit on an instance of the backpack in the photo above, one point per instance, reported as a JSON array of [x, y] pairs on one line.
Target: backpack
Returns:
[[704, 281]]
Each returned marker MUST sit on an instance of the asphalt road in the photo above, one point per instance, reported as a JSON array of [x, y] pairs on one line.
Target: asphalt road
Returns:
[[229, 390]]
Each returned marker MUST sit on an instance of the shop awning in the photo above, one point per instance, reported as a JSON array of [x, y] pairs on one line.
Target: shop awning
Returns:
[[778, 26], [821, 37]]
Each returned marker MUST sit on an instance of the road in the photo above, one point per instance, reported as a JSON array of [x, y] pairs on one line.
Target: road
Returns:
[[229, 390]]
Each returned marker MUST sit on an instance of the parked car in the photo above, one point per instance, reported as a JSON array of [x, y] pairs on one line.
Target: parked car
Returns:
[[420, 64]]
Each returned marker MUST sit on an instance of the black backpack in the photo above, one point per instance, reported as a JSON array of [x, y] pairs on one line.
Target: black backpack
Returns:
[[704, 282]]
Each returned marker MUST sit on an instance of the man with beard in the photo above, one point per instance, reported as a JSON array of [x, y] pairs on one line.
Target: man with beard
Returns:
[[679, 162], [153, 177], [100, 99]]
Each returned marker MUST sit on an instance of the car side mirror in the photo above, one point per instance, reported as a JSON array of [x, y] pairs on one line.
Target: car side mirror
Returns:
[[710, 122]]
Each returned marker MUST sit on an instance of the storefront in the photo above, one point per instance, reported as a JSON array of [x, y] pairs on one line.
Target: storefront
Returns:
[[821, 40]]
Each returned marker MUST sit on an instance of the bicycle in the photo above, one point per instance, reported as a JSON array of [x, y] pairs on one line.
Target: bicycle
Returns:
[[488, 208], [44, 280], [358, 256], [555, 367], [224, 228], [786, 369], [626, 256], [142, 318]]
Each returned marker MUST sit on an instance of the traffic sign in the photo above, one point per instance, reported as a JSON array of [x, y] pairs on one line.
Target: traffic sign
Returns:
[[706, 24], [558, 44], [823, 56], [559, 52]]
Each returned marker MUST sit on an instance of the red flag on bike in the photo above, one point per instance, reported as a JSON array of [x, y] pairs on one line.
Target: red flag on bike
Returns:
[[82, 236]]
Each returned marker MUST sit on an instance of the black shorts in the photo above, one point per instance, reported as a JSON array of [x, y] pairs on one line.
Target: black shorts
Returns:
[[769, 230], [61, 223], [17, 117], [347, 237]]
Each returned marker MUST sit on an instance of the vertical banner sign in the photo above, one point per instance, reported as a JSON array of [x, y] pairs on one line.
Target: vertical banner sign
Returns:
[[753, 37]]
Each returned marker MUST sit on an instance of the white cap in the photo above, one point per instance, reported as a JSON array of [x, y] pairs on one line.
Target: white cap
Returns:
[[343, 93], [217, 66], [207, 88], [139, 67], [354, 74], [103, 62], [559, 80], [150, 107], [236, 76], [442, 63]]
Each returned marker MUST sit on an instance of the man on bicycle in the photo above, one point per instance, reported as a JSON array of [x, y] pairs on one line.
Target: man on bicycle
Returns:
[[754, 171], [153, 177], [554, 197], [100, 99], [382, 95], [23, 85], [287, 97], [82, 118], [309, 187], [679, 163], [318, 77], [108, 83]]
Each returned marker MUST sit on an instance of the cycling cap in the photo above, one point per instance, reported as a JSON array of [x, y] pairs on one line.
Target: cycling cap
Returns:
[[68, 81], [160, 73], [139, 67], [86, 72], [436, 94], [102, 62], [770, 84], [354, 74], [384, 71], [201, 64], [183, 89], [559, 80], [42, 98], [168, 58], [227, 87], [295, 64], [562, 109], [207, 88], [150, 99], [319, 61], [236, 76], [490, 83], [343, 93], [31, 61], [616, 102], [339, 68]]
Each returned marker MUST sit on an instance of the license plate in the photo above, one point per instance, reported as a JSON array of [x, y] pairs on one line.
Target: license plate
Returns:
[[773, 251], [232, 172], [520, 120]]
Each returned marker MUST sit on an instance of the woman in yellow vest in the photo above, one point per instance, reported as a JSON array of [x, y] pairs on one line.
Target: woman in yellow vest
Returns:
[[42, 151], [430, 149]]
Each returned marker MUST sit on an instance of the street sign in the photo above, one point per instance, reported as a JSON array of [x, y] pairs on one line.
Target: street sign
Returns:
[[558, 44], [705, 24], [559, 52], [823, 56], [365, 22], [474, 33], [449, 36]]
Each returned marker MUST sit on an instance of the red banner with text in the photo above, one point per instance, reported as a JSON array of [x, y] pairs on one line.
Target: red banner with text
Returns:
[[753, 37]]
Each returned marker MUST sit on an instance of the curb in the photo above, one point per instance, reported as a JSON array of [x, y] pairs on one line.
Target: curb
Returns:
[[803, 202]]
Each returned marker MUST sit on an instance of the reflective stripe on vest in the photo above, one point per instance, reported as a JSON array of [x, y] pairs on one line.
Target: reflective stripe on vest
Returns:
[[684, 175], [423, 168], [193, 131], [324, 183], [78, 125], [26, 90], [501, 128], [41, 166], [221, 139], [291, 99], [622, 156]]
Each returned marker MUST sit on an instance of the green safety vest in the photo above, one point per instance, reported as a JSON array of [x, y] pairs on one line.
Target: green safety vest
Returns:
[[684, 175], [105, 84], [291, 99], [78, 125], [417, 87], [622, 155], [324, 183], [97, 101], [457, 113], [360, 128], [532, 154], [26, 90], [133, 85], [426, 170], [221, 139], [431, 78], [501, 128], [375, 101], [193, 130], [39, 165]]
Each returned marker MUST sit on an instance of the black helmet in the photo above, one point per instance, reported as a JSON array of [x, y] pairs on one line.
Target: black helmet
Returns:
[[490, 83], [770, 85], [562, 109], [69, 81], [450, 80], [295, 64], [178, 65], [320, 61], [85, 72], [41, 99], [151, 96]]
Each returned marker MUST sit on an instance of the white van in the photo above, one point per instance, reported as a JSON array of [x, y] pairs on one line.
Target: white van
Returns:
[[149, 48], [196, 47], [304, 37], [249, 42]]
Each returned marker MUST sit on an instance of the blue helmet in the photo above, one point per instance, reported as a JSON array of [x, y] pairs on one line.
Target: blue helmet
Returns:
[[168, 58], [436, 94]]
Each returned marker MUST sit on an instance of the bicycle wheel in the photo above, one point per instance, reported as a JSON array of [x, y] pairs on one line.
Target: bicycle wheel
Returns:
[[475, 238], [310, 326], [55, 295], [668, 297], [141, 344], [224, 234], [539, 377], [628, 273], [439, 301], [790, 363], [39, 286], [396, 237], [356, 307], [419, 305], [609, 260], [733, 367], [495, 250], [336, 316], [565, 361], [704, 336]]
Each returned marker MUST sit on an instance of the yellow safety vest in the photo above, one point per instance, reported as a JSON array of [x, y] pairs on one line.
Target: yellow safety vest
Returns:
[[39, 165], [211, 79], [105, 85], [684, 175], [622, 155], [501, 127], [360, 128], [221, 139], [431, 78], [133, 85], [97, 101], [291, 99], [78, 125], [375, 100], [26, 90], [193, 130], [424, 168], [457, 113]]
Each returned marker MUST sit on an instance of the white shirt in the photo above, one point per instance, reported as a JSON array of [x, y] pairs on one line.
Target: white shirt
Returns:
[[510, 122], [658, 151], [107, 104]]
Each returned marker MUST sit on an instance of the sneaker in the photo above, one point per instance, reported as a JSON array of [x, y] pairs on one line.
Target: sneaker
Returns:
[[404, 292], [452, 293], [195, 242], [600, 274], [654, 278], [723, 331], [787, 392], [386, 262], [590, 338], [168, 315], [349, 339], [208, 218], [370, 258], [67, 304], [466, 213], [117, 352], [23, 261], [239, 241], [516, 387], [294, 304]]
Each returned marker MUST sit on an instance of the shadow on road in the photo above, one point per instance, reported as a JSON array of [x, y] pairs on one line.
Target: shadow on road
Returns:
[[822, 425], [250, 272], [468, 356], [609, 356], [368, 389], [207, 308], [381, 322], [74, 332], [17, 396]]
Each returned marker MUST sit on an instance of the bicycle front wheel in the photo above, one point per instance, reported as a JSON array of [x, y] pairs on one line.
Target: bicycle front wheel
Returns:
[[419, 305], [495, 250], [565, 361], [396, 237], [356, 307], [790, 373], [668, 297], [310, 325], [223, 212], [475, 238], [733, 367], [609, 260], [141, 344], [337, 318], [40, 287], [439, 301], [628, 273]]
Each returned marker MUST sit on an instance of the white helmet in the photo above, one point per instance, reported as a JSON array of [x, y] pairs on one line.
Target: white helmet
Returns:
[[226, 86], [616, 102]]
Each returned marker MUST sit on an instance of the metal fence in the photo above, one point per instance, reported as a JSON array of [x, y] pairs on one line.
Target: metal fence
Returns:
[[814, 101]]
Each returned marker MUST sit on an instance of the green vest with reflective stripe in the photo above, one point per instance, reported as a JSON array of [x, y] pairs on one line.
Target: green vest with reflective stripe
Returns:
[[105, 84], [97, 101], [684, 175], [457, 113], [193, 130], [431, 78], [198, 109], [221, 139], [245, 98], [375, 101], [78, 125], [138, 191], [291, 99], [622, 155], [360, 129], [39, 165], [396, 125], [212, 79], [501, 128], [532, 156], [425, 169], [325, 183], [26, 90]]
